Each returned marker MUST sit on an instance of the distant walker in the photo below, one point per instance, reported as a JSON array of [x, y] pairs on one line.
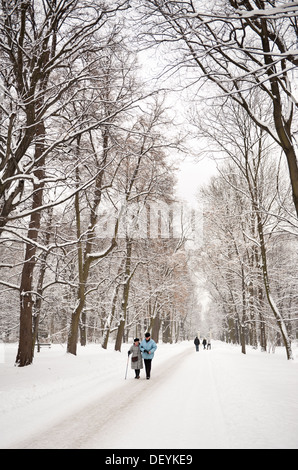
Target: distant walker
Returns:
[[197, 343]]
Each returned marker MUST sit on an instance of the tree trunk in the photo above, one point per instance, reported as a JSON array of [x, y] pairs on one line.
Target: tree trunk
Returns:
[[119, 336], [155, 327], [125, 296], [25, 350], [242, 330], [38, 302], [293, 170], [74, 330], [242, 321], [111, 316], [83, 329], [84, 261], [273, 306], [282, 123], [166, 331]]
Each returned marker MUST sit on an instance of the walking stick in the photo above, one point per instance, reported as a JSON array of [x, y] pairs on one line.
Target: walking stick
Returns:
[[126, 367]]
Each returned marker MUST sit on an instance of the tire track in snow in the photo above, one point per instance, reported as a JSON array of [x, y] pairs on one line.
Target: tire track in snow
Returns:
[[219, 421]]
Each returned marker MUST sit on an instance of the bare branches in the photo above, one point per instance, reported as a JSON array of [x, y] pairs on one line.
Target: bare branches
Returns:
[[239, 47], [42, 48]]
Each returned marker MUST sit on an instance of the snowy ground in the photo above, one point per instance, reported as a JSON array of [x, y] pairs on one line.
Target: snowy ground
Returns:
[[217, 399]]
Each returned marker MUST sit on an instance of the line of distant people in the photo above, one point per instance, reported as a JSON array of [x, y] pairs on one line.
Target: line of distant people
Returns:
[[205, 343]]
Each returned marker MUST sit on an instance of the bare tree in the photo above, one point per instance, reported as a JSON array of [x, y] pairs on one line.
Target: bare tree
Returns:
[[41, 44], [38, 41], [145, 177], [239, 46], [251, 225]]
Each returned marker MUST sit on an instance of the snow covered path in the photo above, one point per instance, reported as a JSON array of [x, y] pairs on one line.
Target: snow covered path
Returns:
[[180, 407], [211, 399]]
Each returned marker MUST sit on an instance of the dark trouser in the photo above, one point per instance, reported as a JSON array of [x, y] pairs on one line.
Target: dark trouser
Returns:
[[137, 372], [148, 366]]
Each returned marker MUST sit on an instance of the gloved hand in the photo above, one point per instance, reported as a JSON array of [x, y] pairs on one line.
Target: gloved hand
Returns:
[[129, 352], [145, 351]]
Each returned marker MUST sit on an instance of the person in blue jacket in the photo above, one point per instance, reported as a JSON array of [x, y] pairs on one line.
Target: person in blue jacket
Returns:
[[148, 347]]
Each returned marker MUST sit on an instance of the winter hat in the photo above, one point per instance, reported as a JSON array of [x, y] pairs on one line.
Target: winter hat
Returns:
[[147, 335], [135, 340]]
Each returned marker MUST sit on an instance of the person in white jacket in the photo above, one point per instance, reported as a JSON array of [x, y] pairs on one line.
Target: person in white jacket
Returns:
[[148, 347]]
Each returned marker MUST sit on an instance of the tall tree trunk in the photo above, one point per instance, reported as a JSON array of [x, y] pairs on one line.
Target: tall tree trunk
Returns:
[[166, 332], [120, 333], [111, 316], [280, 321], [282, 123], [242, 321], [83, 329], [84, 260], [155, 327], [74, 328], [293, 170], [125, 296], [38, 302], [75, 317], [25, 353]]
